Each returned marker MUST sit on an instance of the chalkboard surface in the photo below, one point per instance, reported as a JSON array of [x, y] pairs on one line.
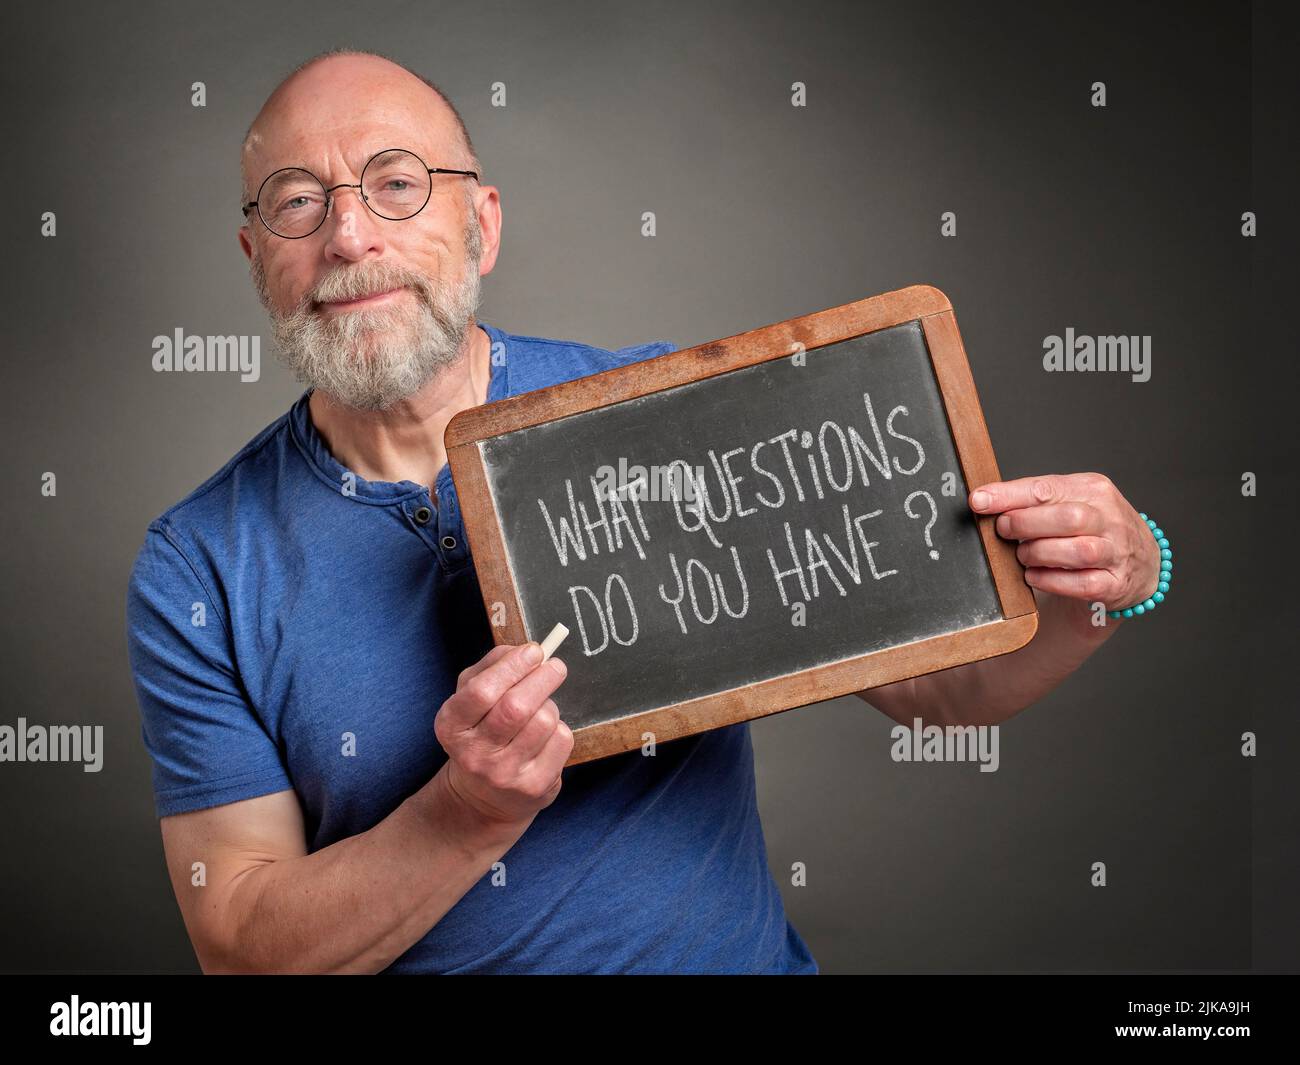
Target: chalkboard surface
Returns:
[[764, 522]]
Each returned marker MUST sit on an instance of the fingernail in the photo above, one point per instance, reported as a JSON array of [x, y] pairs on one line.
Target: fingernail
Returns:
[[532, 653], [980, 500], [559, 666]]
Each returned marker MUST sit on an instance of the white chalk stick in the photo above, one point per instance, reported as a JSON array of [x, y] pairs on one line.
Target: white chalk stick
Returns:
[[553, 641]]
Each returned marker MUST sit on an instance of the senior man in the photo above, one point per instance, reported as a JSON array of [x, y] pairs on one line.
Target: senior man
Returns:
[[349, 777]]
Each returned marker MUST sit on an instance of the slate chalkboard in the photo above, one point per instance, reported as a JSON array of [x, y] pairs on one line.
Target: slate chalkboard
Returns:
[[746, 526]]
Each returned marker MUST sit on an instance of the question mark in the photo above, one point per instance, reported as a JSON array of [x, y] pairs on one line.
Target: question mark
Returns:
[[934, 516]]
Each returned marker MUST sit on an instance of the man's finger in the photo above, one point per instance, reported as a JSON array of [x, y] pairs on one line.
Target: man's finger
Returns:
[[550, 761], [528, 742], [997, 496], [472, 702], [1091, 585], [519, 704], [1068, 552], [493, 656], [1051, 519]]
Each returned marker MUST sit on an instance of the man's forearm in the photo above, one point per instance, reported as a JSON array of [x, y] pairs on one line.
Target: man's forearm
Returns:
[[991, 690], [357, 905]]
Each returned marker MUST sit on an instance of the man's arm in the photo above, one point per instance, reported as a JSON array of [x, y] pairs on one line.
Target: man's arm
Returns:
[[1081, 543], [355, 906], [991, 690]]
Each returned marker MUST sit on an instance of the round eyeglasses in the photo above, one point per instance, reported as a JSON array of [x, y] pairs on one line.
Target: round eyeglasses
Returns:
[[395, 184]]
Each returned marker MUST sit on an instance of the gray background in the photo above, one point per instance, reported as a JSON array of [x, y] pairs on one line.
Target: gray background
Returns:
[[1117, 220]]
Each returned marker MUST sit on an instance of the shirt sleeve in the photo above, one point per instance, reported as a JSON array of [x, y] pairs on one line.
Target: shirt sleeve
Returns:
[[637, 352], [208, 745]]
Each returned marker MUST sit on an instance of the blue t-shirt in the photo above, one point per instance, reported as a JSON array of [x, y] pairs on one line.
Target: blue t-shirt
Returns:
[[270, 613]]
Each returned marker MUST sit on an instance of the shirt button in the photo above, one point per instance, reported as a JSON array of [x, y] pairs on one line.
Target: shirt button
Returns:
[[422, 515], [449, 542]]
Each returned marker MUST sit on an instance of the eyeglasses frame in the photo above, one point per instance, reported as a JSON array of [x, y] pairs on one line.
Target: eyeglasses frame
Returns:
[[329, 197]]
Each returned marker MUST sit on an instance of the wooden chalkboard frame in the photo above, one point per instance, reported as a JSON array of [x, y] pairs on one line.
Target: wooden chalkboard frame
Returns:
[[966, 425]]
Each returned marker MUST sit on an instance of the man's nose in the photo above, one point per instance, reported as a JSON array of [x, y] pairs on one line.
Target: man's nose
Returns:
[[355, 228]]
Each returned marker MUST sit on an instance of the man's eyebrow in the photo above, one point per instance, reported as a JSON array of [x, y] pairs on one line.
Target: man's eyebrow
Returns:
[[418, 152], [375, 154], [255, 187]]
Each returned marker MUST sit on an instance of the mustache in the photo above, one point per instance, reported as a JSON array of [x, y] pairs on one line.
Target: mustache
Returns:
[[369, 279]]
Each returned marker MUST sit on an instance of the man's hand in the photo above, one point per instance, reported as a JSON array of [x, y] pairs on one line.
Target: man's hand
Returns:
[[503, 734], [1079, 538]]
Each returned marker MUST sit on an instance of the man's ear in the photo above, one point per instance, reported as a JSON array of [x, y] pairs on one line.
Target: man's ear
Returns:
[[490, 223], [245, 243]]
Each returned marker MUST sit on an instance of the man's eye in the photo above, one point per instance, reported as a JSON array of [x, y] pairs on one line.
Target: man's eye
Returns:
[[398, 185], [294, 203]]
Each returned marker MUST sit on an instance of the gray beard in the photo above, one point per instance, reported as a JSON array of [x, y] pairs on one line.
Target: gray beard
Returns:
[[371, 359]]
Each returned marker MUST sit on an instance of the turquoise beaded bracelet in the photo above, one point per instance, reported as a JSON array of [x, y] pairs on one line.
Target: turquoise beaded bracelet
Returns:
[[1166, 575]]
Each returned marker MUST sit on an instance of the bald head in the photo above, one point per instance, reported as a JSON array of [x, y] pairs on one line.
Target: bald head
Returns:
[[346, 92]]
